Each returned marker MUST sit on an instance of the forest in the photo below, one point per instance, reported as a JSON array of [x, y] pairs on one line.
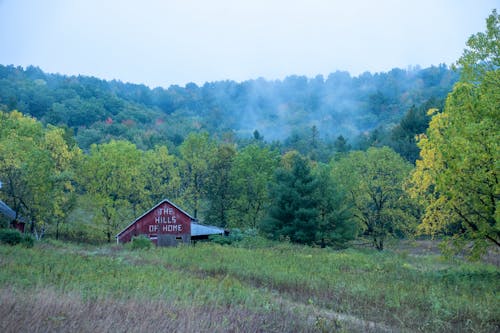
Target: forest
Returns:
[[96, 111], [112, 150], [310, 160]]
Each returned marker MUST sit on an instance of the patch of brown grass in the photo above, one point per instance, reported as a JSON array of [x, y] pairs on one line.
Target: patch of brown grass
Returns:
[[45, 310], [433, 247]]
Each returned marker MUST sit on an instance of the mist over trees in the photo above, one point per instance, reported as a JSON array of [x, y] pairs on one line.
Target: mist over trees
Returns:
[[97, 110]]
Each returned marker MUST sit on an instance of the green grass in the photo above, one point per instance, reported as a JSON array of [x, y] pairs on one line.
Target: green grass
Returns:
[[284, 285], [422, 293]]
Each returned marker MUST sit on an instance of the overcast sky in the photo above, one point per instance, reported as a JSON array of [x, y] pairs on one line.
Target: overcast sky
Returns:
[[160, 43]]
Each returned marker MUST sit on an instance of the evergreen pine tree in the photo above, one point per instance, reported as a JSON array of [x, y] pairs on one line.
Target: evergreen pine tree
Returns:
[[293, 213]]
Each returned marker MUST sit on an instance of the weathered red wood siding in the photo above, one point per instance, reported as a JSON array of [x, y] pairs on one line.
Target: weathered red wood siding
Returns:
[[18, 225]]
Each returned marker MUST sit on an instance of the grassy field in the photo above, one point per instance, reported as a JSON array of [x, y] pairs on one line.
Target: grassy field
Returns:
[[283, 288]]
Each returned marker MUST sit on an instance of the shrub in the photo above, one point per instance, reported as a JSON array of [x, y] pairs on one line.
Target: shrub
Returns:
[[80, 232], [248, 238], [255, 242], [140, 243], [10, 236], [234, 236], [219, 239], [14, 237], [28, 240]]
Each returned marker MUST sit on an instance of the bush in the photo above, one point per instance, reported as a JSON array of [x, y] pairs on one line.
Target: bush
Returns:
[[255, 242], [219, 239], [248, 238], [10, 236], [140, 243], [14, 237], [79, 232], [28, 240]]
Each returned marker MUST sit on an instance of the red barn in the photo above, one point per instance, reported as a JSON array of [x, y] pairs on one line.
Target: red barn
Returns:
[[166, 225]]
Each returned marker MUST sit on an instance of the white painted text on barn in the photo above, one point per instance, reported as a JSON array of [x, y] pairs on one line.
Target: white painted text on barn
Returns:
[[165, 220]]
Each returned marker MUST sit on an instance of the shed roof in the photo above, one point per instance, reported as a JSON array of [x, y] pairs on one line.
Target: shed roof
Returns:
[[200, 230], [9, 212]]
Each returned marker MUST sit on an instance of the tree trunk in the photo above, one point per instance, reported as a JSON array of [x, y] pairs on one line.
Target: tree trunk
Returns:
[[379, 243]]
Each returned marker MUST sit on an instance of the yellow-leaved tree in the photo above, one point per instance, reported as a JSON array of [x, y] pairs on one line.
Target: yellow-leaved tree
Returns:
[[112, 179], [456, 177], [37, 171]]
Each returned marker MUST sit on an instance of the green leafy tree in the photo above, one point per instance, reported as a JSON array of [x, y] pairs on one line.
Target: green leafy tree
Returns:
[[253, 170], [341, 146], [404, 136], [111, 174], [457, 175], [195, 151], [220, 193], [293, 213], [373, 184], [335, 225], [36, 166], [482, 54], [64, 158], [161, 172]]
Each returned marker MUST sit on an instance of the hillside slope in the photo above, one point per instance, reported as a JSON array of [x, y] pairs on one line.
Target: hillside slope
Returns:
[[98, 110]]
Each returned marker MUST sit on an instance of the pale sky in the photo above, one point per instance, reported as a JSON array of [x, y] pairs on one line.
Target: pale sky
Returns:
[[160, 43]]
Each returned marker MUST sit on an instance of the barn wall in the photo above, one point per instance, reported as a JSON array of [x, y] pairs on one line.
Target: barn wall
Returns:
[[172, 240], [18, 225]]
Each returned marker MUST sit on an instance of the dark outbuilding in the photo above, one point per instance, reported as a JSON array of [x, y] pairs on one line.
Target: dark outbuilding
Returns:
[[14, 220]]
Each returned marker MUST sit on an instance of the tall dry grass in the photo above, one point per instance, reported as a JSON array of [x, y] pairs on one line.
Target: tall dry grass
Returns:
[[45, 310]]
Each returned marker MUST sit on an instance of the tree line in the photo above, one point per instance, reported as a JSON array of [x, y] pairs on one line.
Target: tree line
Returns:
[[46, 175], [96, 111]]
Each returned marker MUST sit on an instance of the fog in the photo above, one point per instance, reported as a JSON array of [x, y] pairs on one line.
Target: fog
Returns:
[[160, 43]]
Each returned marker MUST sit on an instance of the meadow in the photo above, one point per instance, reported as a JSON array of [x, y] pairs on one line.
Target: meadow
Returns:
[[280, 287]]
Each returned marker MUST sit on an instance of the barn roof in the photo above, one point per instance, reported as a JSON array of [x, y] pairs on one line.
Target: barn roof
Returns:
[[153, 208], [9, 212], [199, 230]]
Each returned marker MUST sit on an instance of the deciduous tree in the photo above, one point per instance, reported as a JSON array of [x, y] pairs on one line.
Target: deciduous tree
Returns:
[[161, 172], [111, 174], [36, 165], [482, 53], [335, 224], [457, 175], [373, 183], [253, 170], [195, 154], [220, 193]]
